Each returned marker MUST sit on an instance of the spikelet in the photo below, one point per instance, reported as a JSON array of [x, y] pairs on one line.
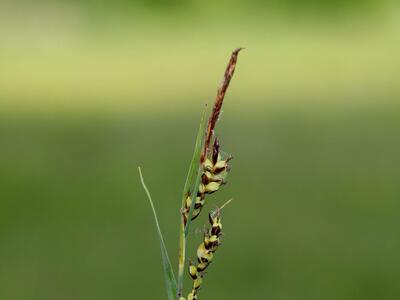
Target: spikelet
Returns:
[[205, 253], [215, 170]]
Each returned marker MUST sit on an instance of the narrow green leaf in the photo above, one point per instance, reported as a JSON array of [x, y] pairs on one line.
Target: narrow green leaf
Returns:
[[169, 277], [194, 163], [191, 187], [194, 174]]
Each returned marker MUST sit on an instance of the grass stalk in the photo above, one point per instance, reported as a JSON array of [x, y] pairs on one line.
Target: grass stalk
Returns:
[[207, 172], [203, 139]]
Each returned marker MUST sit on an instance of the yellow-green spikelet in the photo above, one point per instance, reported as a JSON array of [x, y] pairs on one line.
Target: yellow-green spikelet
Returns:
[[205, 253]]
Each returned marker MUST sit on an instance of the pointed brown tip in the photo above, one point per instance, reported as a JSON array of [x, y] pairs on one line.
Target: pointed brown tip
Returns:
[[237, 50], [230, 69]]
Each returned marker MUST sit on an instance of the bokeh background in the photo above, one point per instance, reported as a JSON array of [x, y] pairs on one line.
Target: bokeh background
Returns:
[[89, 90]]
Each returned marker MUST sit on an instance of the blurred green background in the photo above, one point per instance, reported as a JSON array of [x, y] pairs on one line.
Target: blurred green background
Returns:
[[89, 90]]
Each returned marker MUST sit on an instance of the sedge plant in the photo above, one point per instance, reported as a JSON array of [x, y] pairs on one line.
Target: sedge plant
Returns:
[[207, 173]]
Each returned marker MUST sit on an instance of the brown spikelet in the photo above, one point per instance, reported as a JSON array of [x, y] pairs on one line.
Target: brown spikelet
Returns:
[[230, 69]]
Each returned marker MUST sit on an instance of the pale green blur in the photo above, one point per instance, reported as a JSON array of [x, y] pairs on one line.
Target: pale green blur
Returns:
[[90, 90]]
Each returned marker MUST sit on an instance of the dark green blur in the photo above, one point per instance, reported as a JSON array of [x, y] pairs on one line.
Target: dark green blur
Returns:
[[315, 211]]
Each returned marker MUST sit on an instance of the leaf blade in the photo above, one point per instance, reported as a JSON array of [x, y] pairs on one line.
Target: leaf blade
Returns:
[[191, 187], [169, 277], [194, 163]]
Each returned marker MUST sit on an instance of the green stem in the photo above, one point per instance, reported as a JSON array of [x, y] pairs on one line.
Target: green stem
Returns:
[[182, 255]]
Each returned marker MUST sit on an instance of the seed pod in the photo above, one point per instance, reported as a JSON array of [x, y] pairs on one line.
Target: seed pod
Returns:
[[197, 283], [215, 223], [201, 267], [208, 165], [210, 241], [204, 255], [193, 271], [199, 202], [220, 166], [212, 187], [192, 296], [188, 202]]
